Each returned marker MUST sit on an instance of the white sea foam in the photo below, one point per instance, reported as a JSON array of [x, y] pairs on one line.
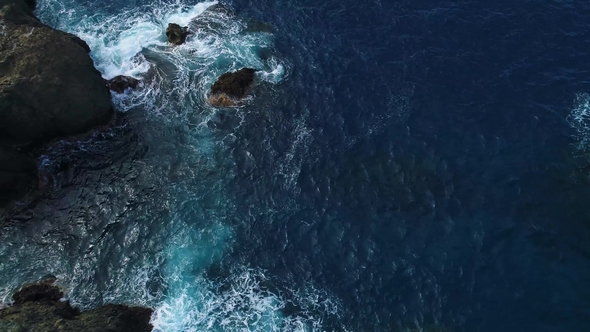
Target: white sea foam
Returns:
[[276, 73], [241, 303], [116, 40], [579, 119]]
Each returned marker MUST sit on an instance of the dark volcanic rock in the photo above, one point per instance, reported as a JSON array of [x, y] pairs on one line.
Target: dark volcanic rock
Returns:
[[231, 87], [49, 88], [121, 83], [48, 84], [25, 5], [37, 293], [176, 34], [18, 172], [39, 308], [31, 3], [120, 318]]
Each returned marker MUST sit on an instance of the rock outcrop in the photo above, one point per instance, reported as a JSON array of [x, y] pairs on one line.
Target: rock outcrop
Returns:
[[176, 34], [25, 5], [40, 308], [49, 88], [48, 84], [230, 88], [121, 83]]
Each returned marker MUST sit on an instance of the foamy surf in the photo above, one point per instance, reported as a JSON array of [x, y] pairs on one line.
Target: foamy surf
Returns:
[[133, 43], [242, 302]]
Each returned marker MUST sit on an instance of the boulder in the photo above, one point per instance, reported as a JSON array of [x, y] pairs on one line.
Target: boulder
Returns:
[[121, 83], [230, 88], [39, 308], [176, 34], [48, 84], [41, 292]]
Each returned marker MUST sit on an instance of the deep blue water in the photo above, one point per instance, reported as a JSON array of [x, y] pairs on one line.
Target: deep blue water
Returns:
[[403, 164]]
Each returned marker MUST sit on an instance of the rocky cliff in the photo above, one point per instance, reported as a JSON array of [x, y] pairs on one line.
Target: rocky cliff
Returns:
[[49, 88], [40, 308]]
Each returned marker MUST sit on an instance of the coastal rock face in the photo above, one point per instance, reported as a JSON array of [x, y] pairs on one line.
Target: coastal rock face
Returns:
[[49, 88], [176, 34], [230, 88], [41, 292], [48, 84], [39, 308], [25, 5], [31, 3], [121, 83]]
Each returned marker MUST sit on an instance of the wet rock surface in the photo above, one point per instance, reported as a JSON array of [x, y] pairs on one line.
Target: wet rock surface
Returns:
[[37, 293], [41, 308], [121, 83], [176, 34], [230, 88]]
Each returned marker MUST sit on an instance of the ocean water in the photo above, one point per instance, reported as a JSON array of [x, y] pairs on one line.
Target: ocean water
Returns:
[[400, 166]]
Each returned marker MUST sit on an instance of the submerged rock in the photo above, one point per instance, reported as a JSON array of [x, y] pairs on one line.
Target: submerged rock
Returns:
[[121, 83], [176, 34], [219, 8], [40, 307], [255, 26], [231, 87], [49, 88], [215, 20], [41, 292]]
